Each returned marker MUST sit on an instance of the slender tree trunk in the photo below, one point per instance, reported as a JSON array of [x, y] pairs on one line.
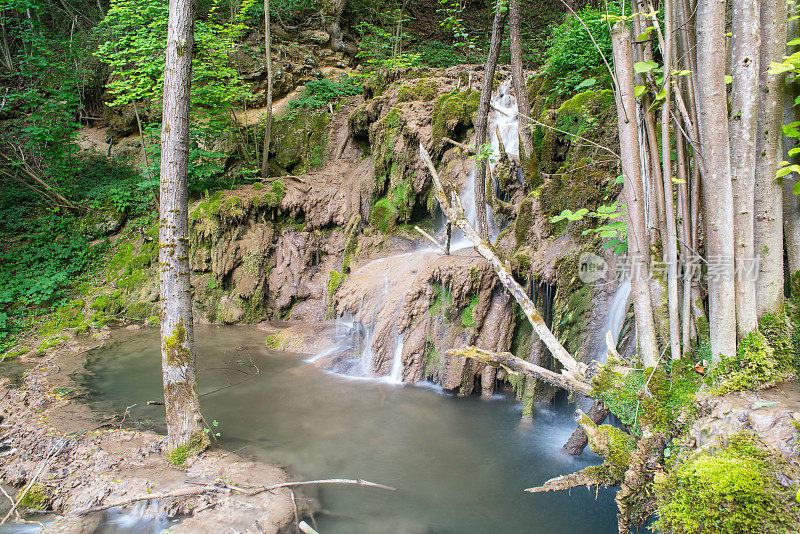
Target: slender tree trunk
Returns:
[[633, 194], [268, 119], [481, 125], [768, 190], [518, 74], [744, 118], [718, 190], [177, 334], [791, 202]]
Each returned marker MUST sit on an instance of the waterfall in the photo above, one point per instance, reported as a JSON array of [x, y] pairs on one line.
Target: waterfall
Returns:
[[614, 319], [358, 332], [507, 122]]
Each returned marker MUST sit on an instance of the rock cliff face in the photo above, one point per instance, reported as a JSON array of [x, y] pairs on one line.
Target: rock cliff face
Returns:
[[331, 234]]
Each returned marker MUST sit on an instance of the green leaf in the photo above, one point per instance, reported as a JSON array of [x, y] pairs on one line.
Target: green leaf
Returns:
[[640, 67], [787, 170], [794, 42], [678, 181], [586, 83], [796, 188], [639, 90], [728, 80], [794, 151], [644, 36]]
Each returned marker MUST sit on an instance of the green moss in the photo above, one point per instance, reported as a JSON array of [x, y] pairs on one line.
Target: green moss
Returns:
[[424, 89], [522, 224], [653, 397], [274, 196], [276, 342], [442, 302], [733, 490], [452, 112], [52, 341], [335, 279], [68, 315], [432, 360], [468, 315], [755, 366], [350, 242], [175, 347], [109, 304], [298, 140], [36, 497], [383, 216], [177, 456]]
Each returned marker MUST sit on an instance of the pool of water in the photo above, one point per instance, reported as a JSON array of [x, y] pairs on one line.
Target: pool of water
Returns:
[[460, 464]]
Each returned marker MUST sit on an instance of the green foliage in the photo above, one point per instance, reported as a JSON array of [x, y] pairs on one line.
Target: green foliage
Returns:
[[36, 498], [441, 302], [756, 365], [318, 93], [199, 442], [379, 46], [452, 12], [671, 390], [731, 490], [572, 58]]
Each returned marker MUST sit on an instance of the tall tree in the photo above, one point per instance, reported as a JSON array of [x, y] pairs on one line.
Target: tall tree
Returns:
[[633, 192], [268, 118], [518, 76], [717, 186], [184, 422], [768, 191], [481, 124], [744, 118], [791, 202]]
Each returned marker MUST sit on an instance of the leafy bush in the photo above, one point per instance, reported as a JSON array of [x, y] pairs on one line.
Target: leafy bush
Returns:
[[318, 93], [756, 365], [572, 56]]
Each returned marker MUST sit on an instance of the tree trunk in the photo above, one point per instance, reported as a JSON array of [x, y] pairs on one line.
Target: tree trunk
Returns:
[[268, 120], [744, 118], [481, 125], [671, 239], [791, 202], [717, 187], [633, 192], [518, 74], [768, 190], [177, 335]]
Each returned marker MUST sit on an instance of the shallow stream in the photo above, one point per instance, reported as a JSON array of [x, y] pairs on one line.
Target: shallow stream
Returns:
[[460, 464]]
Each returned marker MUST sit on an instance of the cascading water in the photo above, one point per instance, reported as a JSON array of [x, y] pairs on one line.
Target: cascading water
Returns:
[[503, 126], [614, 319]]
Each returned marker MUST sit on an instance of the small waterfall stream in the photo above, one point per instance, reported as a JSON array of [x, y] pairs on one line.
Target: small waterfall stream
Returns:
[[362, 324], [614, 319]]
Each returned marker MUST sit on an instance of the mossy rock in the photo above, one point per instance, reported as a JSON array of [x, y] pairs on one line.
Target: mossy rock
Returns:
[[383, 216], [298, 140], [424, 89], [454, 113], [755, 366]]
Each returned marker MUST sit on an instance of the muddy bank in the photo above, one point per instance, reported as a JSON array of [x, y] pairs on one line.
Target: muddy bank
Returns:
[[79, 460]]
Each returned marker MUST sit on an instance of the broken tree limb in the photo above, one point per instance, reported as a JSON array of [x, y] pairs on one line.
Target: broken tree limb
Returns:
[[468, 148], [565, 482], [579, 440], [220, 486], [574, 368], [432, 240], [518, 365]]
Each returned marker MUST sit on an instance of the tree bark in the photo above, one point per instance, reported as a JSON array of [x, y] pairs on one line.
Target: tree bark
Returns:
[[671, 239], [744, 118], [268, 120], [791, 202], [768, 191], [481, 124], [518, 76], [633, 192], [717, 187], [177, 335]]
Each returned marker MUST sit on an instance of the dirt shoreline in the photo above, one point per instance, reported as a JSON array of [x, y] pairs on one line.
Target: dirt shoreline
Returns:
[[86, 460]]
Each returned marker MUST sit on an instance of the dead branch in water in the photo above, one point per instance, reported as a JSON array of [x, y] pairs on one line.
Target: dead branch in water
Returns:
[[216, 487], [432, 240], [510, 362], [574, 370]]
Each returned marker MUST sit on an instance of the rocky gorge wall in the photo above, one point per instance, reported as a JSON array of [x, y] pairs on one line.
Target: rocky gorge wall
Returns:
[[327, 240]]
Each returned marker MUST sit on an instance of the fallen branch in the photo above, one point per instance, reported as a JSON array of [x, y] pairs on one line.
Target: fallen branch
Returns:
[[357, 482], [305, 527], [572, 366], [432, 240], [564, 482], [468, 148], [518, 365], [224, 486]]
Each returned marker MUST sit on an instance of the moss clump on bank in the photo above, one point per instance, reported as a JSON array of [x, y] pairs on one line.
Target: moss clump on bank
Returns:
[[454, 112], [756, 365], [733, 489], [36, 497], [468, 314], [177, 456], [424, 89]]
